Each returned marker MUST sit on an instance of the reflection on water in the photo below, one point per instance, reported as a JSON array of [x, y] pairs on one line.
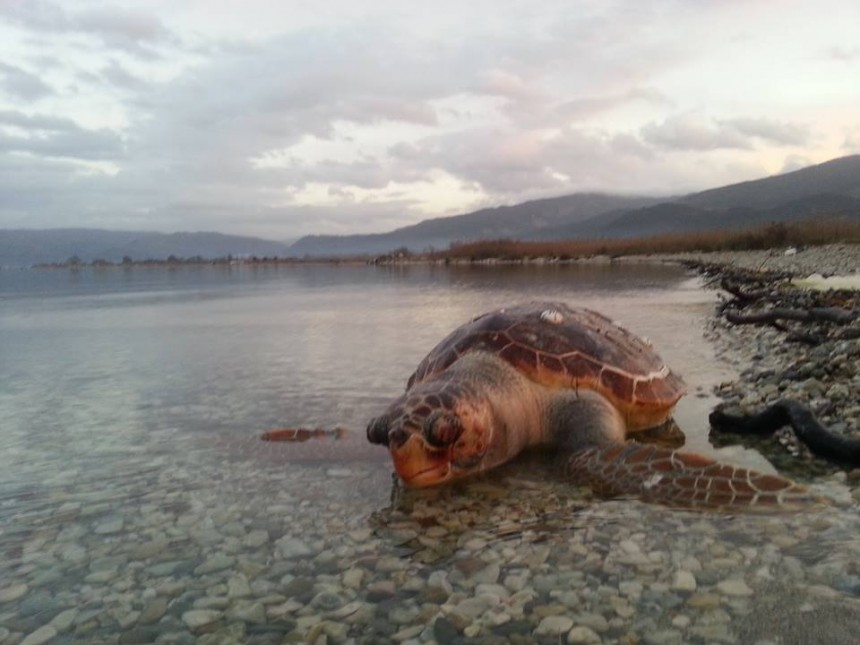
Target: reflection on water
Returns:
[[136, 500]]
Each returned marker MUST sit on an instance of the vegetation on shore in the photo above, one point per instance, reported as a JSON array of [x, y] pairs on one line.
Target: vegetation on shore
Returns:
[[775, 235]]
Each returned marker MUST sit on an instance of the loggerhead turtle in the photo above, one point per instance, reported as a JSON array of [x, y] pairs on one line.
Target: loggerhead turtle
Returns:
[[549, 375]]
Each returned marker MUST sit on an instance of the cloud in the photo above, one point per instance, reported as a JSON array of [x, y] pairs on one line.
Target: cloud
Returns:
[[787, 134], [698, 132], [22, 84], [135, 32], [844, 54], [581, 108], [57, 137], [693, 132]]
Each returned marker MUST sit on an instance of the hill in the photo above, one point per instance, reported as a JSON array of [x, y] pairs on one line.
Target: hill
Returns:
[[519, 221]]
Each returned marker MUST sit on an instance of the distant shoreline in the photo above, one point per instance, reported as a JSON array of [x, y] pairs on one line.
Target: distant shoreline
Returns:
[[770, 240]]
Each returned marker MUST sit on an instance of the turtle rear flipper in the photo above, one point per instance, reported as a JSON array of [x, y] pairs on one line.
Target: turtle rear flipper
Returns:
[[686, 480]]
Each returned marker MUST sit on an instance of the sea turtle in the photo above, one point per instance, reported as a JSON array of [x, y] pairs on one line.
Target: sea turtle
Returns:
[[546, 374]]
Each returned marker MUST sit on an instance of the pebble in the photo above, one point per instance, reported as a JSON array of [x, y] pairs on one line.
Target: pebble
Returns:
[[153, 611], [238, 587], [40, 636], [684, 581], [290, 548], [734, 588], [249, 612], [555, 625], [215, 563], [196, 618], [583, 634], [256, 539], [62, 621], [109, 526], [13, 592]]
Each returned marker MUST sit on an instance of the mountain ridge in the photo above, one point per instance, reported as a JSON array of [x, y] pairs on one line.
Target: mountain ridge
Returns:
[[742, 203], [831, 188]]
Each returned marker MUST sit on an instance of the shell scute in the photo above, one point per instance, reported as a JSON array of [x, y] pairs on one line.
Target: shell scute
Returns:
[[581, 368], [621, 384], [520, 356]]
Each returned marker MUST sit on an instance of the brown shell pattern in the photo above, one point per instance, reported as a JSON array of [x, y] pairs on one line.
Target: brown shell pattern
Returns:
[[560, 346]]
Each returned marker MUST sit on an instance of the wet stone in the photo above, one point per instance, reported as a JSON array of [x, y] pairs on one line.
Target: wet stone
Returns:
[[684, 581], [593, 621], [300, 588], [215, 563], [238, 587], [197, 618], [40, 636], [256, 539], [249, 612], [109, 526], [583, 634], [290, 548], [734, 588], [554, 625], [382, 590], [12, 593], [139, 635], [153, 611], [704, 600], [513, 629], [62, 621], [149, 550]]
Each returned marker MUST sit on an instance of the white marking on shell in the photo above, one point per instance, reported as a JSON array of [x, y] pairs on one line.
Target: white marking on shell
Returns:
[[652, 481], [552, 316]]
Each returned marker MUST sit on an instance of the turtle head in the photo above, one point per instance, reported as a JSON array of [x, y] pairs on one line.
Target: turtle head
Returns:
[[437, 432]]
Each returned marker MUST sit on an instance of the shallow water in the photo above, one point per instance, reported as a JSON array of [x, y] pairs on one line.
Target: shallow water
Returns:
[[137, 504]]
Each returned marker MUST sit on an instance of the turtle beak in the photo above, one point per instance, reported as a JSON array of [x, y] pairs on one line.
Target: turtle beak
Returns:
[[418, 464]]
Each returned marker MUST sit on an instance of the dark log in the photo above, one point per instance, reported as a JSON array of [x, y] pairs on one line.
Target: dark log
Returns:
[[821, 441], [744, 295]]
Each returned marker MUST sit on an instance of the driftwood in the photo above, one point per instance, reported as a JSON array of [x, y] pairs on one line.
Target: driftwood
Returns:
[[820, 440], [768, 298]]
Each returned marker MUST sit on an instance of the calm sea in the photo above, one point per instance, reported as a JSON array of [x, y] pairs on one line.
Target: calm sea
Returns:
[[135, 496]]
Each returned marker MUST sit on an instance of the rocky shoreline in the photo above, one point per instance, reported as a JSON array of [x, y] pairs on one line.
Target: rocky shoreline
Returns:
[[812, 362]]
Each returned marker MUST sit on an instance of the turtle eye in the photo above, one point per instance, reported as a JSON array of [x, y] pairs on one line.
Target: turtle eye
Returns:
[[441, 428]]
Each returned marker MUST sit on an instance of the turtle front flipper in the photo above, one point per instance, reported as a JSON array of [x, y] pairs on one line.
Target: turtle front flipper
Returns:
[[686, 480]]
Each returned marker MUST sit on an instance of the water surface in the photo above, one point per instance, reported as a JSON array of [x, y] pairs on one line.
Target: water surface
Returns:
[[136, 501]]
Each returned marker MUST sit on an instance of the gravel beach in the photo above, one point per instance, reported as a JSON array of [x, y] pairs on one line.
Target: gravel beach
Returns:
[[830, 259]]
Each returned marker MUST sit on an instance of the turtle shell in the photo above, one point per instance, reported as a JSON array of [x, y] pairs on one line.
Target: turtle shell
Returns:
[[564, 347]]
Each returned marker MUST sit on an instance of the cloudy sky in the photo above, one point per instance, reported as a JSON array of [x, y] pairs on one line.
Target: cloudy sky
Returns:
[[279, 118]]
